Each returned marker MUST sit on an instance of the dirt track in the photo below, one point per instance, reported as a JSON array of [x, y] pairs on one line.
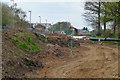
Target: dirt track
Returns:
[[85, 61]]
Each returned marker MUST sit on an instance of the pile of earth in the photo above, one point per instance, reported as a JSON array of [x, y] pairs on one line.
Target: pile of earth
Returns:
[[63, 42], [16, 61]]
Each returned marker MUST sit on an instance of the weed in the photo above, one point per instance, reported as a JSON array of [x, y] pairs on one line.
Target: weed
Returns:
[[28, 39], [28, 44]]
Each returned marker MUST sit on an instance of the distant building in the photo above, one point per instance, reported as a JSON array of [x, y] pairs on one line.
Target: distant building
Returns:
[[43, 27], [47, 25], [40, 28], [84, 31], [32, 25]]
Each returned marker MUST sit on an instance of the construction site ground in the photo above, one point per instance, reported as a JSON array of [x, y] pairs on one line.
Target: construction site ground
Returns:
[[87, 60]]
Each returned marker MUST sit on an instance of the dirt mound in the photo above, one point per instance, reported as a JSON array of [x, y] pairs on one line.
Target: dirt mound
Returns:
[[24, 52], [63, 42], [27, 54], [95, 61], [16, 61]]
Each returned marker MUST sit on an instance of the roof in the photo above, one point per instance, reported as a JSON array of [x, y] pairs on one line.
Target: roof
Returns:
[[71, 27], [40, 25]]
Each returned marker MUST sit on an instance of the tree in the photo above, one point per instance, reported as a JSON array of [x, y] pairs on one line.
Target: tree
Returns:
[[99, 31], [92, 14], [110, 13], [20, 13], [104, 15], [101, 13], [84, 28], [7, 16], [20, 18], [60, 26], [13, 17], [0, 13]]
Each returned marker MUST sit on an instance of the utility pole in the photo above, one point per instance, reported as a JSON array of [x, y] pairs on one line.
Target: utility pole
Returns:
[[46, 25], [46, 22], [40, 19]]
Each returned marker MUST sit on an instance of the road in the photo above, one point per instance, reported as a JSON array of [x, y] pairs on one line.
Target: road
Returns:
[[92, 61]]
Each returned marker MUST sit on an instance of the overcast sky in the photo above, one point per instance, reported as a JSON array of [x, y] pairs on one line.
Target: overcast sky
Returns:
[[55, 10]]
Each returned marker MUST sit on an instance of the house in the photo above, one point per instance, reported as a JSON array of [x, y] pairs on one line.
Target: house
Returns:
[[40, 28], [84, 31]]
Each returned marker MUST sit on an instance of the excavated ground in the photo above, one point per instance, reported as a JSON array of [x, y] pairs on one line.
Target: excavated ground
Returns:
[[88, 59]]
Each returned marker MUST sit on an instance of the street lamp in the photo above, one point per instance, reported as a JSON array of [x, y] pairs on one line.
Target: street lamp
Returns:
[[30, 17], [40, 19]]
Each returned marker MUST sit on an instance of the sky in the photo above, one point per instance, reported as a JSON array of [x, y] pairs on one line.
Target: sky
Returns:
[[53, 11]]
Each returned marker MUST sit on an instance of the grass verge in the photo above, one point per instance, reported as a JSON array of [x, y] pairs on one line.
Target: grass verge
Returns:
[[27, 44]]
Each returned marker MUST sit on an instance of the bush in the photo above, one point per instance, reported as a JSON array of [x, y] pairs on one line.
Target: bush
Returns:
[[108, 33]]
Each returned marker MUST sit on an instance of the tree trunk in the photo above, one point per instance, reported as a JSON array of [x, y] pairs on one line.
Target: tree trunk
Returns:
[[114, 27], [105, 21], [99, 31]]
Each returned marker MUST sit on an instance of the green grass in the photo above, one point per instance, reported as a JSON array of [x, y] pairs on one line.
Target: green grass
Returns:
[[111, 42], [28, 39], [28, 44], [99, 36]]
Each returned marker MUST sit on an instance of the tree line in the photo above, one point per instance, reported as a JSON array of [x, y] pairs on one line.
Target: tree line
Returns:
[[60, 26], [100, 14]]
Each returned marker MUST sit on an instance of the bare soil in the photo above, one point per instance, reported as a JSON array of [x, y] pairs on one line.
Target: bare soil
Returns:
[[87, 61]]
